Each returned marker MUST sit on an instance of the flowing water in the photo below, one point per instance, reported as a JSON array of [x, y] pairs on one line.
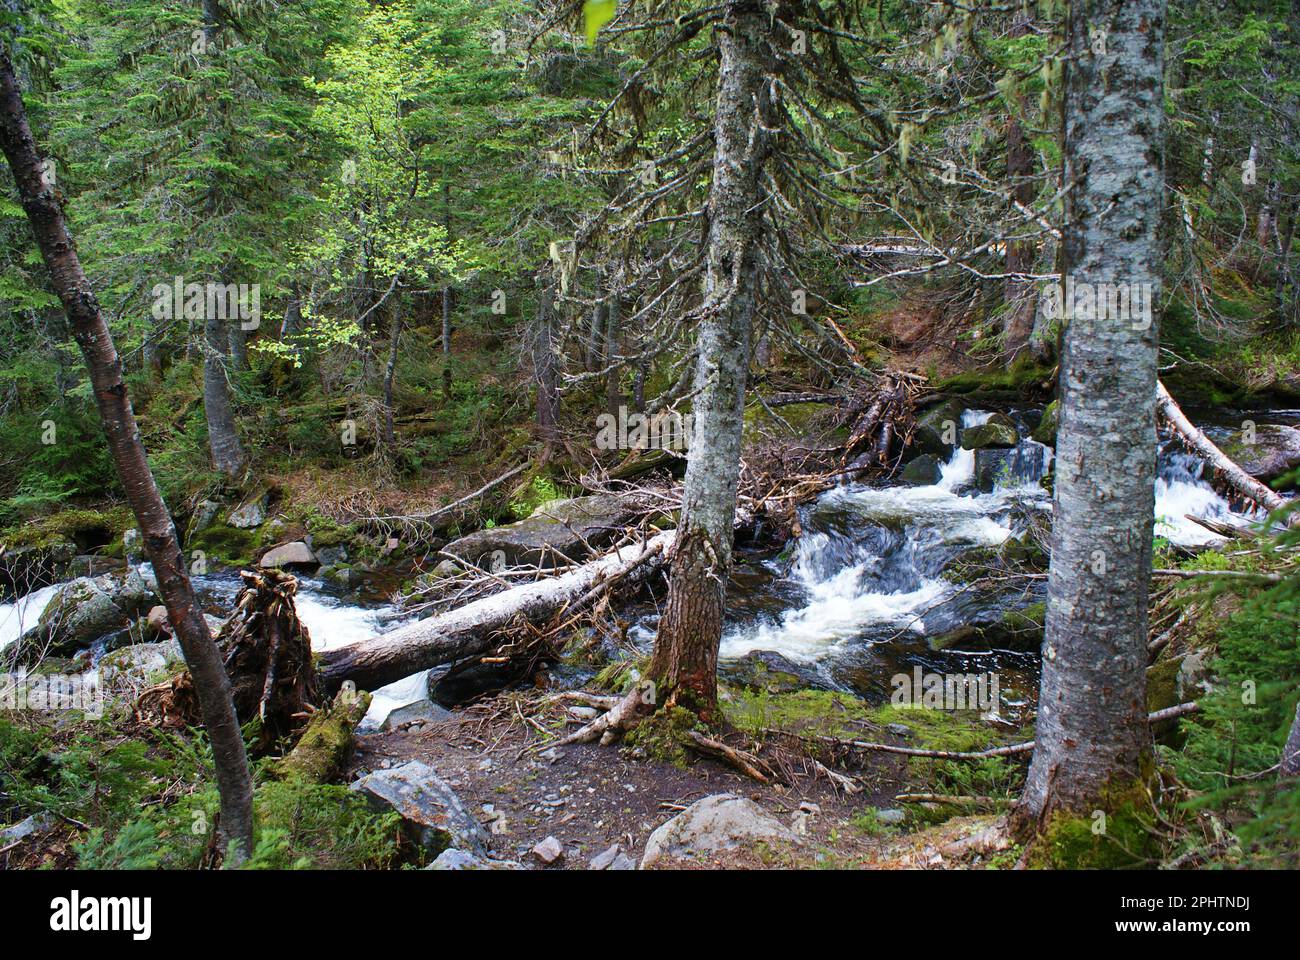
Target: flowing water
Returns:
[[852, 600]]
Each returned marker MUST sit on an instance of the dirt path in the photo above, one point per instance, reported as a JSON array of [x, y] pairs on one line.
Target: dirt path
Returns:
[[591, 797]]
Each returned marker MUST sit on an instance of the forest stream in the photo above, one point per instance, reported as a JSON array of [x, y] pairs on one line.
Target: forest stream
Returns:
[[858, 597]]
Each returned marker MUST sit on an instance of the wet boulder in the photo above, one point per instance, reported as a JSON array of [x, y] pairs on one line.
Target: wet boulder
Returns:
[[1275, 452], [937, 430], [992, 464], [766, 671], [998, 432], [557, 532], [923, 471], [85, 610], [1045, 432]]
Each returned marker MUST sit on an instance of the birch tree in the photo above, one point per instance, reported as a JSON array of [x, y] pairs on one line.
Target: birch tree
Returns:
[[1093, 742]]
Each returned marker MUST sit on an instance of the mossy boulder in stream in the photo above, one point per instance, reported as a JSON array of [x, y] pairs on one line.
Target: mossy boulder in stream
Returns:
[[923, 471], [937, 430], [1274, 452], [998, 431], [1045, 432]]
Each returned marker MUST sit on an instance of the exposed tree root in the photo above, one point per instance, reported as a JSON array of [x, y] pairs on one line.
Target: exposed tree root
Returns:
[[625, 714], [746, 763]]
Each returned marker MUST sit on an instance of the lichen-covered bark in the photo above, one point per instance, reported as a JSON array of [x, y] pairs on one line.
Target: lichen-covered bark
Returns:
[[1092, 732], [96, 342], [686, 651], [223, 439]]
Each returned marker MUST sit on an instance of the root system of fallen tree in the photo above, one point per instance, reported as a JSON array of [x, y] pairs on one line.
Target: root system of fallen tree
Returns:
[[268, 658]]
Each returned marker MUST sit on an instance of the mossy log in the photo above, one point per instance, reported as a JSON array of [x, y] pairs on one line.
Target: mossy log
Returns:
[[326, 745]]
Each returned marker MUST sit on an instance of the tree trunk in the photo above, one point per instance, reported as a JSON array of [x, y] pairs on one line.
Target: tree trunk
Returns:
[[684, 666], [614, 378], [96, 342], [545, 368], [1291, 752], [223, 439], [1092, 732], [1019, 296], [389, 373]]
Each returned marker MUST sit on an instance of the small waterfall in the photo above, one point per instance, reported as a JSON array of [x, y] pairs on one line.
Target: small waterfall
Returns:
[[1180, 490], [23, 613], [869, 565]]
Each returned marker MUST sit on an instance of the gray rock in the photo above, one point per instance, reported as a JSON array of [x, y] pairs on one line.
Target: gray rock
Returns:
[[892, 815], [999, 431], [455, 859], [80, 613], [923, 471], [289, 555], [251, 514], [140, 663], [603, 860], [447, 568], [430, 810], [204, 516], [560, 530], [425, 711], [623, 862], [1276, 451], [331, 556], [23, 829], [720, 822], [766, 670], [1193, 676], [132, 545], [548, 851]]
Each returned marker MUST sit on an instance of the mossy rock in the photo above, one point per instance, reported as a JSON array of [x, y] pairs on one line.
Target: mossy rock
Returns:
[[1023, 379], [225, 545], [999, 432], [805, 711], [1045, 432], [923, 471], [763, 670]]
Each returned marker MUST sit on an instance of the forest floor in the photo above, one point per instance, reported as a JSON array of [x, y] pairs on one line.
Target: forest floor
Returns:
[[591, 797]]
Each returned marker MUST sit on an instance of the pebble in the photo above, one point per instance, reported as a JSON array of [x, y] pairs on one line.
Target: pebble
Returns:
[[548, 851]]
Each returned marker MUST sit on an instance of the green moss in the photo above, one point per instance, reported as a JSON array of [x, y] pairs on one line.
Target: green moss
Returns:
[[225, 544], [1162, 684], [805, 711], [1022, 379], [1118, 839], [76, 526], [662, 735]]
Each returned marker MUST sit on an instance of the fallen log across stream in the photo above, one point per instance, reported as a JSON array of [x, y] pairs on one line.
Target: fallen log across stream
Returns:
[[474, 628], [1235, 477]]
